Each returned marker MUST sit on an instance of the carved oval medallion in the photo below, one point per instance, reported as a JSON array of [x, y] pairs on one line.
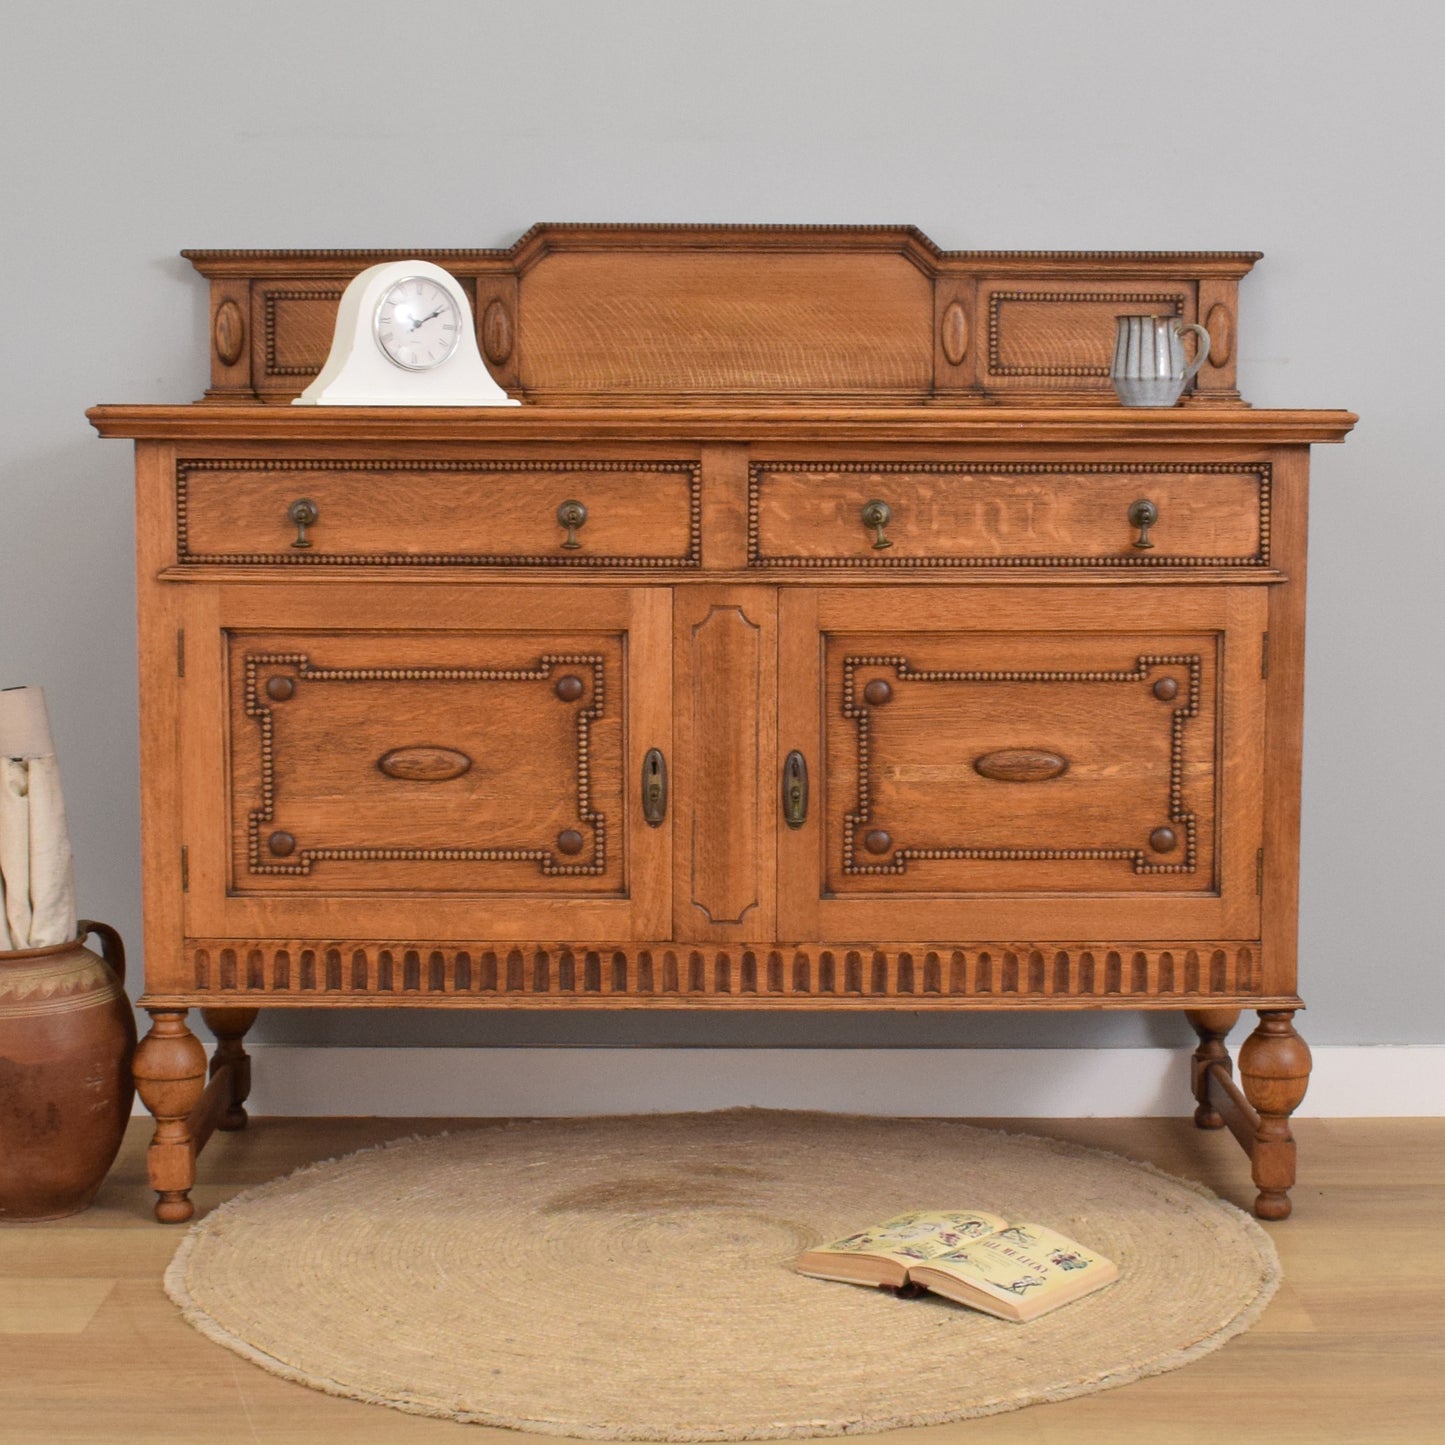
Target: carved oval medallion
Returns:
[[1020, 765], [424, 764], [1220, 326], [497, 332], [953, 333], [229, 333]]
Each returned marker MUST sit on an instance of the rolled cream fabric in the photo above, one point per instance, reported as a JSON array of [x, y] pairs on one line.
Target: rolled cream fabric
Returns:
[[37, 873]]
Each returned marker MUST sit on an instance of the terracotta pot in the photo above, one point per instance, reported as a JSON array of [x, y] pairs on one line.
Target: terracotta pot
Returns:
[[67, 1037]]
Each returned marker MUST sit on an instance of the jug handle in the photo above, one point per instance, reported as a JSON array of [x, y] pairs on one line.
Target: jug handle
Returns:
[[111, 947], [1201, 353]]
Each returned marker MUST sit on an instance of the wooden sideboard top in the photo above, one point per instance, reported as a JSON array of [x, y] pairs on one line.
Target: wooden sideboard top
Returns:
[[923, 424]]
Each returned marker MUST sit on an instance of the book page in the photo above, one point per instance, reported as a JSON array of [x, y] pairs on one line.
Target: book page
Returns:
[[1026, 1263], [919, 1235]]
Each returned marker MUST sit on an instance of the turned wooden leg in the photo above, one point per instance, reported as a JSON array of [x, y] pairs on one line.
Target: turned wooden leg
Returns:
[[1274, 1065], [229, 1026], [170, 1076], [1213, 1026]]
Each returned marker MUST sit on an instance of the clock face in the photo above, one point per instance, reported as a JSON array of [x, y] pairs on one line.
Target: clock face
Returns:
[[417, 323]]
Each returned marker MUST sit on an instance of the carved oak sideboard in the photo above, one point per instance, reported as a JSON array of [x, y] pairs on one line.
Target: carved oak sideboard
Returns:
[[886, 662]]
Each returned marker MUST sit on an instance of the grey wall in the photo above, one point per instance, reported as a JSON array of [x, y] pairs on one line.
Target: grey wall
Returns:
[[1309, 131]]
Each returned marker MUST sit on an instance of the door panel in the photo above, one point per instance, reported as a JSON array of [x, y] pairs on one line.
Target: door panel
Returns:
[[1036, 763], [389, 744]]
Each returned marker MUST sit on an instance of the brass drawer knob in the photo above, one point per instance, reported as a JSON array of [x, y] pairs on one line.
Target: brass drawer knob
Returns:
[[571, 515], [303, 512], [1143, 515], [877, 515]]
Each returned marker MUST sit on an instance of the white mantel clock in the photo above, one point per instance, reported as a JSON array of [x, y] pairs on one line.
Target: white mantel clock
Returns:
[[404, 337]]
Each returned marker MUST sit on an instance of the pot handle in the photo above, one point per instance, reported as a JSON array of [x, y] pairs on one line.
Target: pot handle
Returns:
[[111, 947]]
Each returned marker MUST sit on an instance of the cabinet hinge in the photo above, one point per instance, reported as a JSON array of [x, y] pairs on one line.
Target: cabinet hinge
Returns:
[[185, 869], [1264, 656], [1259, 871], [180, 652]]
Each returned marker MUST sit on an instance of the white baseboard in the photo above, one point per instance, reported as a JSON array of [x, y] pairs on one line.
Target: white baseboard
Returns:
[[1348, 1081]]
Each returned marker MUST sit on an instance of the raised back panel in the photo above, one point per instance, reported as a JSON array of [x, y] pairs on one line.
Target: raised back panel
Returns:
[[706, 315]]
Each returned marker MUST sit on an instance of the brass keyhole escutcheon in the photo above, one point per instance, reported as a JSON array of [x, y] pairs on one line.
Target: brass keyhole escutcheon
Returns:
[[571, 515], [654, 788], [304, 513], [877, 515], [1143, 515], [795, 790]]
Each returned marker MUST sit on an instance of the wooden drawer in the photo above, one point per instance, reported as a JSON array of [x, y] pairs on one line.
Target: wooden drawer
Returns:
[[492, 513], [1005, 514]]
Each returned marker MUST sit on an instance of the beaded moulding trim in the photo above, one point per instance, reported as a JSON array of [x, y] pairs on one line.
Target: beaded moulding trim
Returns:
[[1136, 560], [312, 557], [308, 857]]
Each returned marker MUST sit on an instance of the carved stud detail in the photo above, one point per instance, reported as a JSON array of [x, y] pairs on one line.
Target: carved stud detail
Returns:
[[569, 841], [1220, 326], [281, 844], [1020, 765], [497, 332], [1166, 689], [953, 333], [877, 841], [1163, 840], [569, 688], [280, 688], [877, 692], [424, 764], [228, 333]]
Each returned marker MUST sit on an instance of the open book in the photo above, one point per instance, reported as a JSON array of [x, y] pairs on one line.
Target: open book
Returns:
[[1014, 1271]]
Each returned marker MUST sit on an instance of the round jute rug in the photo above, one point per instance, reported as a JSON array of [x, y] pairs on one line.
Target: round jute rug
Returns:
[[631, 1278]]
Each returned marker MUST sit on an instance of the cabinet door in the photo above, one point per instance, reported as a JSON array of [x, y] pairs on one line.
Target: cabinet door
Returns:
[[1000, 763], [424, 762]]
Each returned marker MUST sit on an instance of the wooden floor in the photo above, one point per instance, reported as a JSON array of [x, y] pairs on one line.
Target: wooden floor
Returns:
[[1352, 1349]]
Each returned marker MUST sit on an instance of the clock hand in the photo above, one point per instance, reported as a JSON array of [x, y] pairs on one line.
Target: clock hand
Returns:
[[423, 320]]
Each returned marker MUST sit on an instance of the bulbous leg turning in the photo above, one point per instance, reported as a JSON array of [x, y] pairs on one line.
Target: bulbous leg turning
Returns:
[[170, 1077], [1274, 1067]]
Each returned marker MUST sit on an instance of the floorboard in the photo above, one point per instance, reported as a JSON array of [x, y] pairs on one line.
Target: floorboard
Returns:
[[1351, 1349]]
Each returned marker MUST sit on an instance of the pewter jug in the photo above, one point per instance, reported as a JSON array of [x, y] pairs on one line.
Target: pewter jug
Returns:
[[1149, 367]]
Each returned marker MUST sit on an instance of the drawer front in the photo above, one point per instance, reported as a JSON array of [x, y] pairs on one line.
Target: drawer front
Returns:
[[1003, 514], [499, 514]]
